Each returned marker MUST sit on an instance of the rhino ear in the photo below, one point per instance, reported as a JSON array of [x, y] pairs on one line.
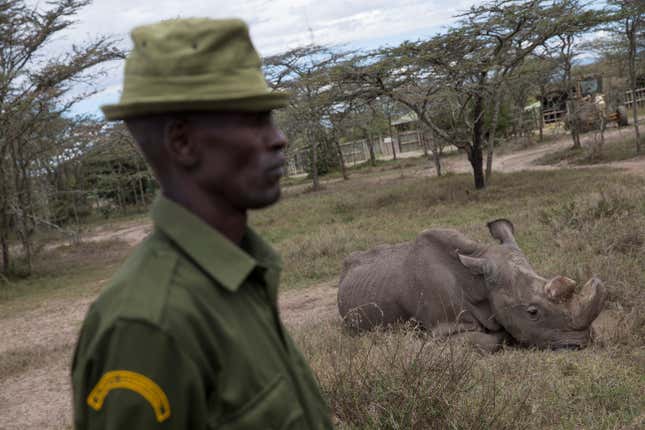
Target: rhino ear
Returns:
[[476, 265], [502, 230]]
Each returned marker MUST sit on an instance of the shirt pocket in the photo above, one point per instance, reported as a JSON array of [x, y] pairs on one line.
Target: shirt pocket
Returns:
[[274, 408]]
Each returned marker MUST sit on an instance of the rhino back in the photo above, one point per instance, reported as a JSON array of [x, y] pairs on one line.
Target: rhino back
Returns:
[[371, 284], [441, 290]]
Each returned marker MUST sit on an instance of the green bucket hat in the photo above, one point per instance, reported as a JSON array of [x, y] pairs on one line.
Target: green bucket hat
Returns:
[[193, 65]]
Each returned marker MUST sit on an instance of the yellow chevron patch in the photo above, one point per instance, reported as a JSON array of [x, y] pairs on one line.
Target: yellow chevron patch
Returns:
[[133, 381]]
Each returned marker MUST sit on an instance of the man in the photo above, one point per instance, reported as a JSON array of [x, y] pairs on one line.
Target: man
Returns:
[[187, 334]]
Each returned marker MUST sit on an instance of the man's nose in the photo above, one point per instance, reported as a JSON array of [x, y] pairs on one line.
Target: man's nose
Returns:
[[278, 139]]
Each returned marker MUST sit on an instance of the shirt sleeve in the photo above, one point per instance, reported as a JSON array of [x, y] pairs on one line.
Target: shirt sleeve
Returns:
[[136, 377]]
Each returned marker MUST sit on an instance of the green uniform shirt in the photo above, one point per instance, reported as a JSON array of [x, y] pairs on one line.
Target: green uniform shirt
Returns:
[[187, 336]]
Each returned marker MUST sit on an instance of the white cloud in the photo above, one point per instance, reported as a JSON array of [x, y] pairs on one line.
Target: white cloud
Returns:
[[276, 25]]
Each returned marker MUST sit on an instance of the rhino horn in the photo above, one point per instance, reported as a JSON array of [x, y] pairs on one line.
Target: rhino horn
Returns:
[[587, 304], [503, 230], [559, 289]]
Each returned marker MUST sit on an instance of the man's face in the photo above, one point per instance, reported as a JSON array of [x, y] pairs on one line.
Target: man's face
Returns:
[[242, 157]]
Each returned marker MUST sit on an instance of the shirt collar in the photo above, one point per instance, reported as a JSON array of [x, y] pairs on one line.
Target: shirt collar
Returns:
[[223, 260]]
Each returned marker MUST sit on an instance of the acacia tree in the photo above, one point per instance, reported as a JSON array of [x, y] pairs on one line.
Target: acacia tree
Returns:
[[462, 70], [305, 73], [499, 36], [35, 90], [404, 75]]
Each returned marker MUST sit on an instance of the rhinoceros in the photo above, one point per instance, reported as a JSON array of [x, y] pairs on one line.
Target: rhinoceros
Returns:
[[450, 284]]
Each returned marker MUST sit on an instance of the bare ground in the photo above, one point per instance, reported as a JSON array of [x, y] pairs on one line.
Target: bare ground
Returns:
[[37, 345]]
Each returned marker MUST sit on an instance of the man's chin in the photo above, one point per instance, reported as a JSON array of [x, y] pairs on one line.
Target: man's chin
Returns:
[[265, 199]]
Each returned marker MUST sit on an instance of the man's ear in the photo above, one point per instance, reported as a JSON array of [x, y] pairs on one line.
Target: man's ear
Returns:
[[183, 149]]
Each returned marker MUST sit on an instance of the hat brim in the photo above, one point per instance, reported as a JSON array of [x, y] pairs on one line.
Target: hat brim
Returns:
[[257, 103]]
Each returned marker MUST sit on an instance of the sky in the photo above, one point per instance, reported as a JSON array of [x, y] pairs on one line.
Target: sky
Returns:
[[275, 25]]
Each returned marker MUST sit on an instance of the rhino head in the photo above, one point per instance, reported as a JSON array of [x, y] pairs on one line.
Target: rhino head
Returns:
[[547, 313]]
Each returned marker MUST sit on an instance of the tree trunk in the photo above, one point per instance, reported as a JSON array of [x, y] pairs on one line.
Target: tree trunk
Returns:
[[572, 114], [436, 156], [370, 148], [314, 167], [23, 202], [4, 238], [314, 163], [398, 140], [389, 124], [422, 141], [143, 194], [602, 133], [6, 260], [341, 160], [631, 35], [491, 136], [4, 224], [541, 118], [475, 155], [476, 158]]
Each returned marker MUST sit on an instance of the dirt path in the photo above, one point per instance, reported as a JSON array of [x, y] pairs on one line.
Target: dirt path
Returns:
[[35, 358], [36, 346], [525, 159]]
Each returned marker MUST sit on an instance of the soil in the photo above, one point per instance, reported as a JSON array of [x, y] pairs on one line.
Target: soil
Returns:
[[525, 159], [37, 345]]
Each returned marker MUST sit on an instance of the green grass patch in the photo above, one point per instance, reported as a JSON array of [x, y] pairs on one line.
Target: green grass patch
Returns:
[[65, 271]]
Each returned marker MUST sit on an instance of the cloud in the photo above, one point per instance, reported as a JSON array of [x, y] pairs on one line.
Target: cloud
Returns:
[[276, 25]]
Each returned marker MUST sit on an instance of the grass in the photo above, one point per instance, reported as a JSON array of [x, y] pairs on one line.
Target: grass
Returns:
[[68, 271], [314, 232], [365, 168], [401, 379], [579, 223], [623, 149], [576, 223]]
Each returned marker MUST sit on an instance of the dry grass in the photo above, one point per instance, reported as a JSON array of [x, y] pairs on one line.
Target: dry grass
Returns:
[[576, 222], [400, 379], [67, 270], [624, 149], [15, 362], [314, 232]]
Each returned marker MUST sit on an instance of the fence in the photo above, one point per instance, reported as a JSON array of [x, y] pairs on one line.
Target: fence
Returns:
[[407, 143], [640, 98], [554, 115], [410, 141], [297, 162]]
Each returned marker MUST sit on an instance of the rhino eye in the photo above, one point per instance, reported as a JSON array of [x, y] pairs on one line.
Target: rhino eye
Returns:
[[532, 311]]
